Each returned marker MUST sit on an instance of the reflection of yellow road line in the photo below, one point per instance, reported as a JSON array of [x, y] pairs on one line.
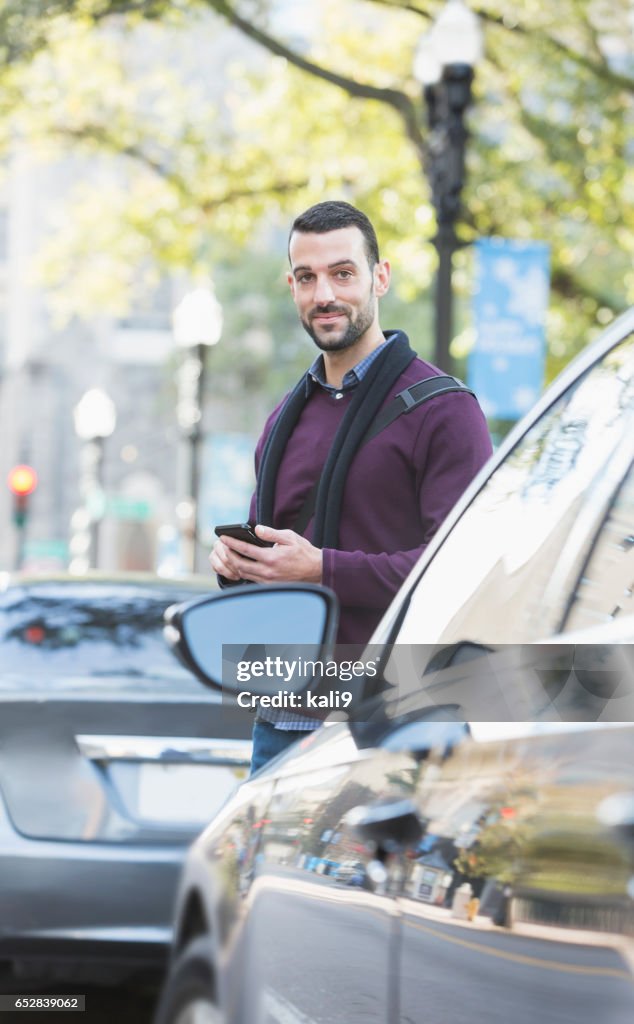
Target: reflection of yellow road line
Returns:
[[519, 958]]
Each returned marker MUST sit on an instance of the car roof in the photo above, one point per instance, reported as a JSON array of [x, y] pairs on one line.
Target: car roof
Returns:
[[31, 581]]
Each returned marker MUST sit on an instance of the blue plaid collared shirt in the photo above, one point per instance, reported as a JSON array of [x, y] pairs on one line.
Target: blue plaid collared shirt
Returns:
[[282, 719], [317, 372]]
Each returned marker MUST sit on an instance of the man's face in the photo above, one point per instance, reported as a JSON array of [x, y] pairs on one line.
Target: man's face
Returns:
[[333, 287]]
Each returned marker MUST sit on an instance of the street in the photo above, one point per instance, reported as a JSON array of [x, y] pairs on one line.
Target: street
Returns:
[[447, 970]]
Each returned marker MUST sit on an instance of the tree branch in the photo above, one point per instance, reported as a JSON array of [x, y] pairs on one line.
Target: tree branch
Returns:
[[569, 287], [403, 7], [597, 66], [276, 188], [98, 134], [394, 98]]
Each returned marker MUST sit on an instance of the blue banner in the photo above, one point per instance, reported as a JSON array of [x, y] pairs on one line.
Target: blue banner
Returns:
[[506, 365]]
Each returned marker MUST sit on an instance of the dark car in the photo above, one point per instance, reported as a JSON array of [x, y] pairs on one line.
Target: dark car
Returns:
[[456, 843], [112, 757]]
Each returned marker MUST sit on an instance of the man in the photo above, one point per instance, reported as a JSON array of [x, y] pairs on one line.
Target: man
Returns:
[[379, 503]]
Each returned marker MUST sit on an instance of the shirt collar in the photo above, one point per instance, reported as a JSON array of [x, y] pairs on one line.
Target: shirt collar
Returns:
[[317, 372]]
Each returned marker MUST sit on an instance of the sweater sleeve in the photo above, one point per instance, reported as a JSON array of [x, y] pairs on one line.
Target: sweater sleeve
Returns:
[[452, 445], [367, 581]]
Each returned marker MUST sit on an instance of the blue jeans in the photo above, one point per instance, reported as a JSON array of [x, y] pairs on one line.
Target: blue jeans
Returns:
[[268, 742]]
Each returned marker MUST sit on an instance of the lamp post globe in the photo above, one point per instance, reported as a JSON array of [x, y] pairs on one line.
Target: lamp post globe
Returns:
[[197, 319], [197, 324], [95, 419], [95, 415], [456, 35]]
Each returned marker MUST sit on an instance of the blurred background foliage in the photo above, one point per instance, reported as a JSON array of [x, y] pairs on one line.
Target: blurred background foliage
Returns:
[[193, 163]]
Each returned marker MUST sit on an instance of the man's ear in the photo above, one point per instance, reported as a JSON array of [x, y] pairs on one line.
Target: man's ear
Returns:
[[382, 276], [291, 282]]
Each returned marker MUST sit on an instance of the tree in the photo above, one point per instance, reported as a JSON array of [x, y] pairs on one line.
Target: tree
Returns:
[[339, 110], [550, 142]]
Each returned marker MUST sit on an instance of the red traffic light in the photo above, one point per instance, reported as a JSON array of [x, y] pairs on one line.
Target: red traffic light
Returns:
[[22, 480]]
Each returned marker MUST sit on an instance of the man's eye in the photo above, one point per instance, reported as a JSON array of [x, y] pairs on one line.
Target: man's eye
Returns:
[[344, 274], [304, 278]]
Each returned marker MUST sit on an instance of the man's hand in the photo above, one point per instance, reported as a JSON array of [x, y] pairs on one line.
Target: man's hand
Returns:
[[292, 559], [221, 560]]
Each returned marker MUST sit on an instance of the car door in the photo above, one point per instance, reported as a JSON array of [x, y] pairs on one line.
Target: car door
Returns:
[[520, 886], [321, 942], [512, 900], [517, 901]]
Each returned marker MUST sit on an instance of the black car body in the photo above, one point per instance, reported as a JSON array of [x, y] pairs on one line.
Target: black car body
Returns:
[[402, 866], [112, 757]]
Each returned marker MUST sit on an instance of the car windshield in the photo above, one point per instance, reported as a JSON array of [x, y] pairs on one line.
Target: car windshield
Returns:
[[90, 637]]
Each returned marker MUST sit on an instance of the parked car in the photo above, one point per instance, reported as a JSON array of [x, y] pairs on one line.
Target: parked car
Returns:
[[494, 860], [112, 757]]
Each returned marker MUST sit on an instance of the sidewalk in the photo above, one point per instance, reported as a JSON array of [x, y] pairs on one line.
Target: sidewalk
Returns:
[[623, 944]]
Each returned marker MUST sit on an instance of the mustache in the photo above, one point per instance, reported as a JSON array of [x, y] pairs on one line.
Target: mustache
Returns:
[[330, 308]]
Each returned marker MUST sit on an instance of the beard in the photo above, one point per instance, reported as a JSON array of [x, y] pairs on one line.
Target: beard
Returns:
[[354, 330]]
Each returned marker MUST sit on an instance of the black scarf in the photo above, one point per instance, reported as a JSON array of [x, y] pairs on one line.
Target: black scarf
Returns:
[[367, 399]]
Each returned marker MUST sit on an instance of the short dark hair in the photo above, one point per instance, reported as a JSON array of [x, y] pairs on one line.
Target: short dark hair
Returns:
[[334, 214]]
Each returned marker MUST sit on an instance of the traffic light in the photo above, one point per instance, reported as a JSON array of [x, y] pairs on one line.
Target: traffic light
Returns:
[[22, 481]]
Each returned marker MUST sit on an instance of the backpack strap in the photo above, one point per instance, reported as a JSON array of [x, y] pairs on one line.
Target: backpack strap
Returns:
[[413, 396], [407, 400]]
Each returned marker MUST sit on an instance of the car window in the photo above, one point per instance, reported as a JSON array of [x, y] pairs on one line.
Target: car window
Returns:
[[487, 580], [606, 586], [96, 638]]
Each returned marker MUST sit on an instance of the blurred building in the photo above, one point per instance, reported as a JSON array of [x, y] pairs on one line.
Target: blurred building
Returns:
[[44, 371]]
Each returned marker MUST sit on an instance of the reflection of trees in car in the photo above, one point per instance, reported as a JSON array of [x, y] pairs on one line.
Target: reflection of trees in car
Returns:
[[73, 635], [553, 873], [498, 849], [53, 625], [582, 862], [559, 456], [326, 833]]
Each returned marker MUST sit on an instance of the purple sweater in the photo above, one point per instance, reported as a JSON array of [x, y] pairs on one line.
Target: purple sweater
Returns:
[[400, 487]]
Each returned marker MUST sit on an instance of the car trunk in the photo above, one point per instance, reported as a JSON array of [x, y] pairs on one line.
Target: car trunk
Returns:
[[127, 770]]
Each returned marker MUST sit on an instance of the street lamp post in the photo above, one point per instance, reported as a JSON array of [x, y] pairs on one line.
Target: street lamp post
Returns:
[[444, 64], [197, 324], [95, 418]]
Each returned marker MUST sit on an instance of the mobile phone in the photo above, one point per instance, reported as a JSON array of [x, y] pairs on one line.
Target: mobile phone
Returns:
[[242, 531]]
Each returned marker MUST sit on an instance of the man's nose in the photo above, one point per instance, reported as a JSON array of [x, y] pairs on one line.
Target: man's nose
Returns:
[[323, 291]]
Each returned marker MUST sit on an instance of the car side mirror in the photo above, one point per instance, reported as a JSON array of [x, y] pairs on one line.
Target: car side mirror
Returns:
[[218, 636]]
